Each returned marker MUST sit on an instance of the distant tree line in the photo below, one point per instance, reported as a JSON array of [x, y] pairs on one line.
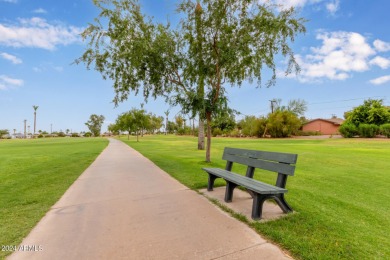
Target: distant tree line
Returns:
[[284, 121], [137, 122]]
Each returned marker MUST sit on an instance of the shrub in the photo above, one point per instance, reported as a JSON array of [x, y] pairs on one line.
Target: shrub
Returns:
[[368, 130], [180, 131], [196, 132], [88, 134], [234, 133], [348, 130], [40, 136], [216, 132], [307, 133], [75, 135], [283, 124], [385, 130]]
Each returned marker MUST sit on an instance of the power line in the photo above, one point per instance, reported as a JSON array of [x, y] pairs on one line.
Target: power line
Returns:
[[345, 100]]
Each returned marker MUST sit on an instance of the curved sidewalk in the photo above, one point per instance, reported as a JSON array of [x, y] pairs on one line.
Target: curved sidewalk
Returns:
[[125, 207]]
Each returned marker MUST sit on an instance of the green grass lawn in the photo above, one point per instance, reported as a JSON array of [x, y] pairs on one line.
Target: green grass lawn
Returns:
[[33, 176], [340, 191]]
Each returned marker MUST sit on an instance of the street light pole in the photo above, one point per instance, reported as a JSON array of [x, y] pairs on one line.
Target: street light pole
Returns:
[[272, 105], [25, 122]]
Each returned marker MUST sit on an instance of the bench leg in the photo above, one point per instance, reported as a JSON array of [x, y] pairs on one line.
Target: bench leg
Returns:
[[210, 184], [283, 203], [257, 206], [229, 191]]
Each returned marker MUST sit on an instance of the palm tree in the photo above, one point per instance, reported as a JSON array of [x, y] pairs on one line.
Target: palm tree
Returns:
[[35, 118]]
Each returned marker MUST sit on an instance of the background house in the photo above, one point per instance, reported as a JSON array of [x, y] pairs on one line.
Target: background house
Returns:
[[323, 126]]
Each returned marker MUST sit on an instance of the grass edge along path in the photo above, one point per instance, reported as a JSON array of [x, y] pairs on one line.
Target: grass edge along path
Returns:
[[339, 192], [34, 174]]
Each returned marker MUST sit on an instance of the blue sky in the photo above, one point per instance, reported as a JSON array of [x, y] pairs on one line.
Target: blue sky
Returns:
[[345, 58]]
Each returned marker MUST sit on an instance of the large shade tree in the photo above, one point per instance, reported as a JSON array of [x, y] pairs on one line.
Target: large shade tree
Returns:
[[372, 111], [126, 122], [218, 42], [155, 123], [132, 121], [95, 123]]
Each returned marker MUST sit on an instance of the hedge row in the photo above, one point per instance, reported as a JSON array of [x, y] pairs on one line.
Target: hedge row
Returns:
[[349, 130]]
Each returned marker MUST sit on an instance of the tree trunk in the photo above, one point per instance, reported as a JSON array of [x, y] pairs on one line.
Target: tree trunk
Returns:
[[208, 151], [166, 126], [201, 134], [137, 135], [200, 89], [193, 127]]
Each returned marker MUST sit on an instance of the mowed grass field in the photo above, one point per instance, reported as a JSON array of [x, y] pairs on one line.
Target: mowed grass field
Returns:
[[34, 174], [340, 191]]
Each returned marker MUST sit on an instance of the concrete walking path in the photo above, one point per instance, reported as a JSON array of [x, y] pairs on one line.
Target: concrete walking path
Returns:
[[125, 207]]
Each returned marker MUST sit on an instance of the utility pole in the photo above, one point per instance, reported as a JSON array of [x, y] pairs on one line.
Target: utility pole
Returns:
[[272, 105], [51, 128], [25, 122]]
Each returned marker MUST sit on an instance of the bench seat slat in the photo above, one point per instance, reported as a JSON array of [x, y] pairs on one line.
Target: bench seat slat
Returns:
[[262, 164], [264, 155], [251, 184]]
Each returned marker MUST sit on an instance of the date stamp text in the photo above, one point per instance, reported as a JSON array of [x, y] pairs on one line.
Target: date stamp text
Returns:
[[22, 248]]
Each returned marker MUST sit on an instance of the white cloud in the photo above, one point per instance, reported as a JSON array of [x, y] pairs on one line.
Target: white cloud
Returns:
[[45, 67], [285, 4], [380, 80], [37, 69], [382, 46], [380, 62], [10, 1], [40, 11], [333, 6], [58, 68], [37, 33], [7, 82], [12, 58], [340, 54]]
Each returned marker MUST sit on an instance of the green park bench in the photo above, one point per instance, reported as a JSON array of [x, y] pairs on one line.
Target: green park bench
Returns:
[[281, 163]]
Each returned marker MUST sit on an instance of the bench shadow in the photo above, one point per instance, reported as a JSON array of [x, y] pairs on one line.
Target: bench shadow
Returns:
[[242, 204]]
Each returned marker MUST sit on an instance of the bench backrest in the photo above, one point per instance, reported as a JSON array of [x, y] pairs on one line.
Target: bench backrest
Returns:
[[282, 163]]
